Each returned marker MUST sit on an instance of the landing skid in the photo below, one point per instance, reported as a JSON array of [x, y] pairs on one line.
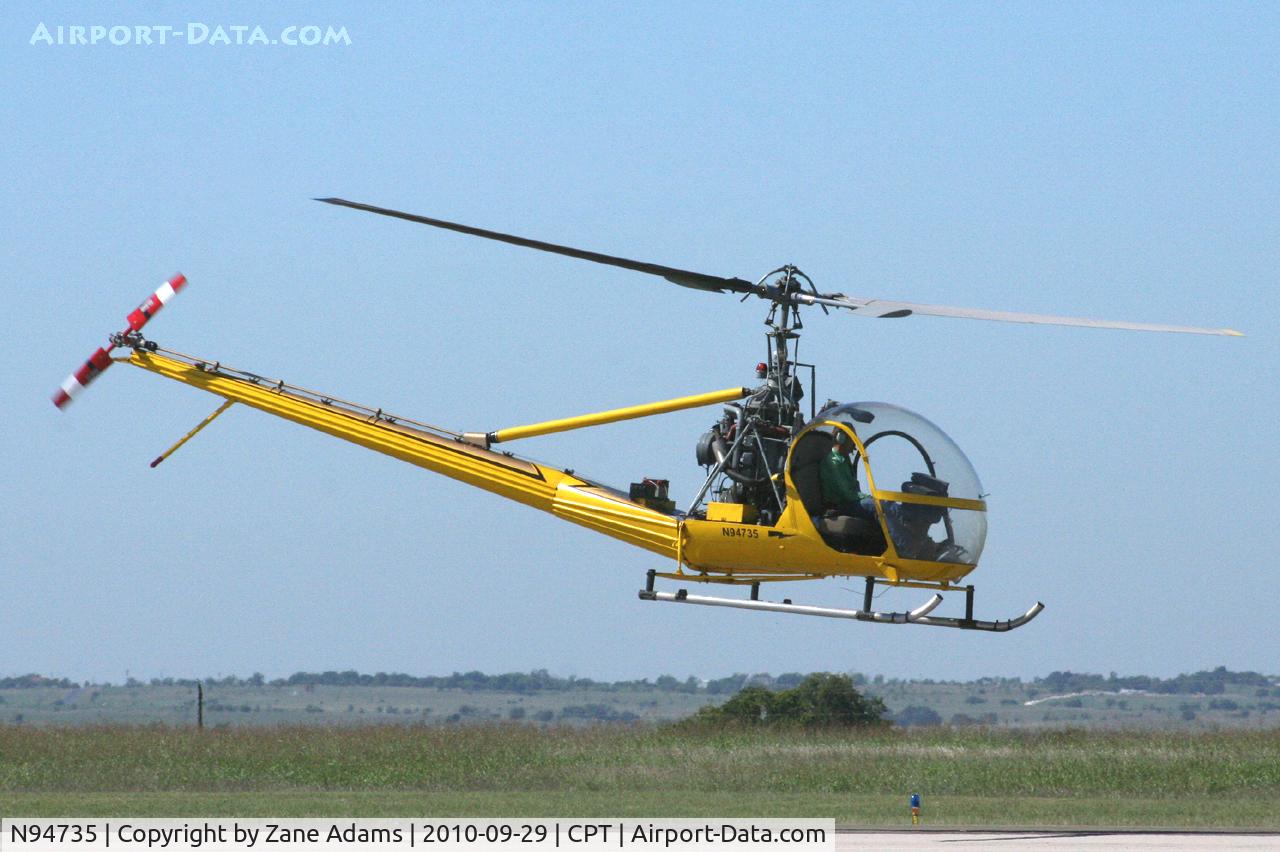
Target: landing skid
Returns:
[[919, 615]]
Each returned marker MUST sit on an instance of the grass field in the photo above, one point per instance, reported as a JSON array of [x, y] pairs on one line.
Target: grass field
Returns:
[[966, 776]]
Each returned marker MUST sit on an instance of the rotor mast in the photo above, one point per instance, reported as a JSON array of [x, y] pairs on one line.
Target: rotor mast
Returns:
[[784, 325], [745, 451]]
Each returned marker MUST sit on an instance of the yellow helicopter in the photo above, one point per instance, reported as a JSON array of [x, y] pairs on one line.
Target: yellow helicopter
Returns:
[[863, 489]]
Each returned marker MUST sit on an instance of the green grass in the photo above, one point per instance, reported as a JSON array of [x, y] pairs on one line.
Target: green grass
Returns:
[[323, 705], [967, 777], [1250, 812]]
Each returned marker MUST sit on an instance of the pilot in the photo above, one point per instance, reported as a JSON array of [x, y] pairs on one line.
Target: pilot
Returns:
[[849, 517], [839, 480]]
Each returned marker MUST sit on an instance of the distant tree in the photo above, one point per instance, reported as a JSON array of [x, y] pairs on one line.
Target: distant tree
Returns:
[[917, 716], [818, 701], [829, 700], [790, 680], [726, 685], [596, 713], [751, 706]]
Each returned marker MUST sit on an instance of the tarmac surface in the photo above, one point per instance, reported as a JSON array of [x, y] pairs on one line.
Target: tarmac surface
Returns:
[[1057, 841]]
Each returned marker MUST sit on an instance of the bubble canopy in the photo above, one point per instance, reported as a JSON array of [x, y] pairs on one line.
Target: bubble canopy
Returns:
[[922, 482]]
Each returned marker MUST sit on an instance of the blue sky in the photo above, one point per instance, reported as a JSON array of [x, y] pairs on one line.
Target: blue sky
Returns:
[[1105, 160]]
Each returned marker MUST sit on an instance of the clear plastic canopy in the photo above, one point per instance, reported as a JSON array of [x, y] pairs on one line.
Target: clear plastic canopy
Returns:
[[910, 457]]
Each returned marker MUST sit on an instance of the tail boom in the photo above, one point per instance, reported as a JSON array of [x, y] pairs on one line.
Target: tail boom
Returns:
[[548, 489]]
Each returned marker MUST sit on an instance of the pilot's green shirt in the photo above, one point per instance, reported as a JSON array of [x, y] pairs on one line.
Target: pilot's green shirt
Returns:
[[839, 481]]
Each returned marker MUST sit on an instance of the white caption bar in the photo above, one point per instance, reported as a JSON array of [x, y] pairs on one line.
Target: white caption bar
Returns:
[[445, 835]]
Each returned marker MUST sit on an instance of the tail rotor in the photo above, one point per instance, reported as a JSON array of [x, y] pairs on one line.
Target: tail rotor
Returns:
[[100, 360]]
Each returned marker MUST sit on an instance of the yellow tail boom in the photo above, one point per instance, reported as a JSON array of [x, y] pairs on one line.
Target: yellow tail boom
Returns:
[[556, 491]]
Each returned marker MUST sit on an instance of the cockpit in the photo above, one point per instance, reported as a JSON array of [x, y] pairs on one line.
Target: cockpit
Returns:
[[912, 487]]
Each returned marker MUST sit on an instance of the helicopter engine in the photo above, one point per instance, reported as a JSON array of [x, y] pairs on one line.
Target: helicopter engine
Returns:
[[747, 446]]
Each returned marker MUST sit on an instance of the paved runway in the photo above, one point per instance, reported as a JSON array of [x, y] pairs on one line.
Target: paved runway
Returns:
[[1056, 841]]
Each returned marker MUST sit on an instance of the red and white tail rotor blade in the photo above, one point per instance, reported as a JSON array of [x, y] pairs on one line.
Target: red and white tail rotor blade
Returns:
[[143, 313], [80, 379], [101, 359]]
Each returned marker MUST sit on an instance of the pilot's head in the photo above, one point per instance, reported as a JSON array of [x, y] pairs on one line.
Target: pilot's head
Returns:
[[844, 444]]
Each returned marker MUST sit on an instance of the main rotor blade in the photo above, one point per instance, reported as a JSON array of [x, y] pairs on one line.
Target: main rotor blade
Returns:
[[683, 277], [886, 308]]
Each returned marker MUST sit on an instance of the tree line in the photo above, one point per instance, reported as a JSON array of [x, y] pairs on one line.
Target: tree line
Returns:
[[539, 680], [1213, 682], [1198, 683]]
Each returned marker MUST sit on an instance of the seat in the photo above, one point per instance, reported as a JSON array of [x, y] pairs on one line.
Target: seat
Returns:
[[910, 522], [846, 533], [805, 459], [931, 486]]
